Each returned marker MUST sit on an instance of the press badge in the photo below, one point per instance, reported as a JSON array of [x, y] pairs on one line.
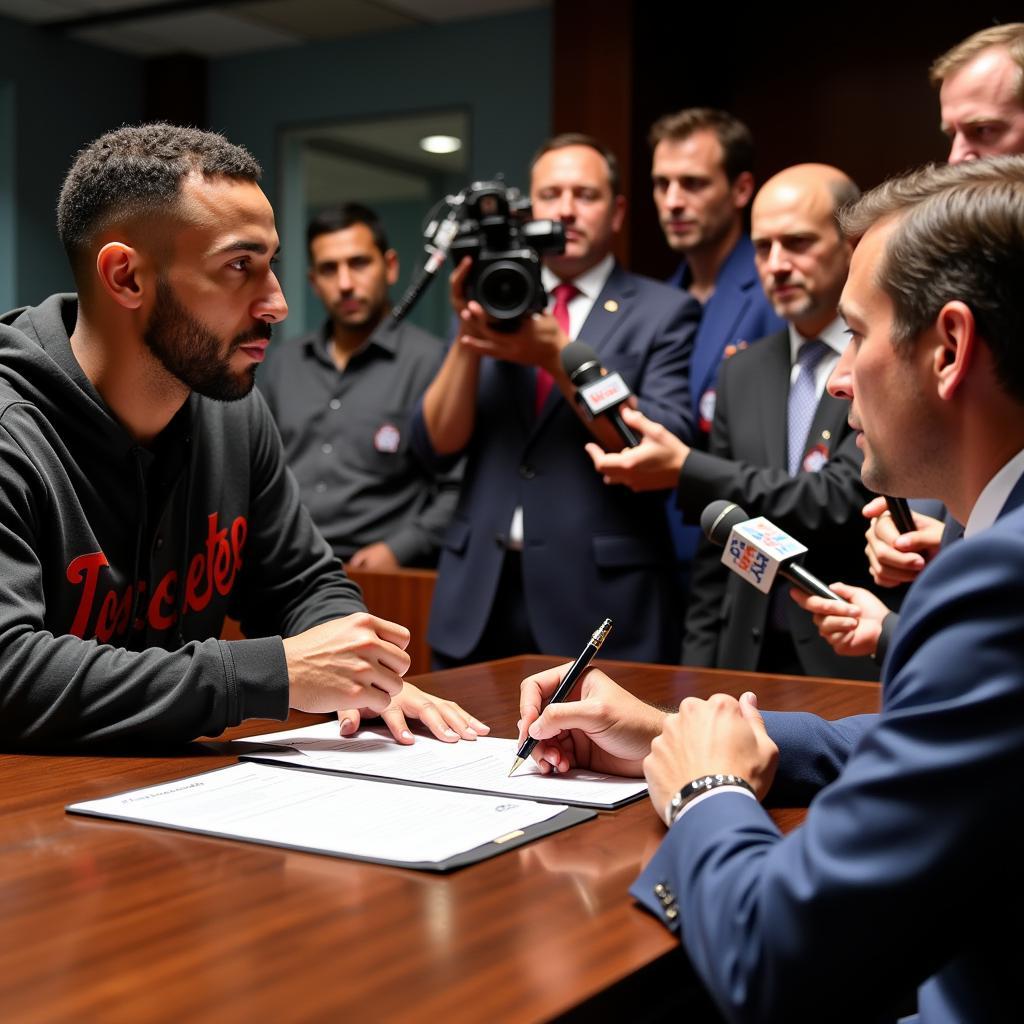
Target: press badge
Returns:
[[756, 549], [387, 439]]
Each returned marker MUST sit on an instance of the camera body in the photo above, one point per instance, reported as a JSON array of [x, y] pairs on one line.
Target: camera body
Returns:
[[495, 232]]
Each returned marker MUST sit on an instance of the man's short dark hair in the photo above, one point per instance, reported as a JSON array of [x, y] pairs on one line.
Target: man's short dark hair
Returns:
[[340, 218], [733, 135], [567, 139], [958, 235], [136, 171]]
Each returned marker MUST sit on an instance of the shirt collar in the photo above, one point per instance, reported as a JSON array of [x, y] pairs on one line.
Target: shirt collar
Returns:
[[384, 337], [834, 336], [992, 499], [590, 282]]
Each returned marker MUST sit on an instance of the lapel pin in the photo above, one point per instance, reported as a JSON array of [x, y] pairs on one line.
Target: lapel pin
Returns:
[[612, 306], [826, 435]]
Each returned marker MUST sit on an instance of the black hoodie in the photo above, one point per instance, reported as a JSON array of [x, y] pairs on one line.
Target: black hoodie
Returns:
[[99, 639]]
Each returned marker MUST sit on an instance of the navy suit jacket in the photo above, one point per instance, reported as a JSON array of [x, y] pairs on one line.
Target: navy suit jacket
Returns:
[[737, 313], [746, 463], [905, 871], [591, 550]]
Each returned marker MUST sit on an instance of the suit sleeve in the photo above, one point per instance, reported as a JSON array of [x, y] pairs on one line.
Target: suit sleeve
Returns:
[[832, 496], [663, 394], [709, 578], [873, 884]]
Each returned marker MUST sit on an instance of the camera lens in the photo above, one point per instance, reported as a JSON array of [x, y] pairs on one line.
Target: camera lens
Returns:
[[505, 289]]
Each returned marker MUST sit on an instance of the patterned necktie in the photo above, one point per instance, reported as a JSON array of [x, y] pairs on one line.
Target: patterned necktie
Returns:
[[564, 293], [803, 401]]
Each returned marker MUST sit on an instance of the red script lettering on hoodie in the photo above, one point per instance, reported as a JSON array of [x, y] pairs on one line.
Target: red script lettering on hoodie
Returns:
[[212, 569]]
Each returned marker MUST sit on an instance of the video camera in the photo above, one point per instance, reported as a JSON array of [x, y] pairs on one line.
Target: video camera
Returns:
[[490, 223]]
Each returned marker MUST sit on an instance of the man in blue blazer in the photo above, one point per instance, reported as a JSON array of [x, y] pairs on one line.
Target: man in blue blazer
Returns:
[[539, 550], [702, 178], [905, 870]]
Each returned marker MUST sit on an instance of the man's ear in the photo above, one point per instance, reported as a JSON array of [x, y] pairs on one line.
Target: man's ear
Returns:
[[118, 267], [742, 190], [392, 267], [954, 347]]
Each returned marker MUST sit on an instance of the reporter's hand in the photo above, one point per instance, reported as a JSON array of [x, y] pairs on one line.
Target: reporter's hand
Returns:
[[708, 737], [355, 661], [851, 626], [607, 729], [653, 465], [447, 720], [374, 558], [895, 558]]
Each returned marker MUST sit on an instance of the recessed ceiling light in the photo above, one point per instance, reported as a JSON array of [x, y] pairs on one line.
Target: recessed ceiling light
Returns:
[[440, 144]]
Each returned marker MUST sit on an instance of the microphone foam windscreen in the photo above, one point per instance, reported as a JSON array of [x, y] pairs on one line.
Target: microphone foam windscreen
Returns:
[[718, 519], [576, 356]]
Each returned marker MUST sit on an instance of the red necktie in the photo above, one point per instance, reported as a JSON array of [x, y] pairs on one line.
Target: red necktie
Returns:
[[564, 293]]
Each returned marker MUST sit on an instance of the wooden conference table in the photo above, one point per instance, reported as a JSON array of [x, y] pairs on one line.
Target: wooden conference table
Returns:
[[104, 921]]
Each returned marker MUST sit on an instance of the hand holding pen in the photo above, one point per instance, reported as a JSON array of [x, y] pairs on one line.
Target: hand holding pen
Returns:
[[576, 669]]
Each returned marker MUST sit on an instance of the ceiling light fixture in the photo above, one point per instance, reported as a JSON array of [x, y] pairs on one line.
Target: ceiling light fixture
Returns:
[[440, 144]]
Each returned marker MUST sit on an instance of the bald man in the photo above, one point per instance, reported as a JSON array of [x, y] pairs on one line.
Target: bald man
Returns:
[[768, 395]]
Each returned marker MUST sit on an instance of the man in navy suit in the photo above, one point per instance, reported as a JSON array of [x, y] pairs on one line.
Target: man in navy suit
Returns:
[[904, 873], [539, 551]]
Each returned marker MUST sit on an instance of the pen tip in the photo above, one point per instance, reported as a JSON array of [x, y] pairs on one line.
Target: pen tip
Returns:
[[519, 761]]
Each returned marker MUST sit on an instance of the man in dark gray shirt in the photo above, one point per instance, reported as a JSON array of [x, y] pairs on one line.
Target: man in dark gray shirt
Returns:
[[342, 396]]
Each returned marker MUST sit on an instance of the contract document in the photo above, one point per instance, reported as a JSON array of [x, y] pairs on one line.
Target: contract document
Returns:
[[480, 766], [348, 817]]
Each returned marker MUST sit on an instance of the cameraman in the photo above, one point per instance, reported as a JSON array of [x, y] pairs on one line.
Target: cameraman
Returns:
[[539, 551]]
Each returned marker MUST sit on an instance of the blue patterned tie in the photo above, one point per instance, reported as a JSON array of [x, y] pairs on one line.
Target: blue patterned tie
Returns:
[[803, 401]]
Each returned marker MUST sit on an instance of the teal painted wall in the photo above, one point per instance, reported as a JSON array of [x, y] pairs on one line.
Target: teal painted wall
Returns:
[[496, 68], [55, 96]]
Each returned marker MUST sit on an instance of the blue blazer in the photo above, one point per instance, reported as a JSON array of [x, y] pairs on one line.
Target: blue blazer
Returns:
[[738, 311], [908, 862], [591, 550]]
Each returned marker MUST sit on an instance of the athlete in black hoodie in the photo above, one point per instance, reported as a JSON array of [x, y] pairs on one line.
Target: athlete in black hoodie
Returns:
[[143, 490]]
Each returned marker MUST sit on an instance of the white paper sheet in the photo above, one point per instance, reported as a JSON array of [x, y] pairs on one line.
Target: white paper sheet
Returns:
[[329, 813], [480, 766]]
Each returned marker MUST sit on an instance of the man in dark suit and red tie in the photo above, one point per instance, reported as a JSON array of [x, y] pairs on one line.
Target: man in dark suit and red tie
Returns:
[[539, 551]]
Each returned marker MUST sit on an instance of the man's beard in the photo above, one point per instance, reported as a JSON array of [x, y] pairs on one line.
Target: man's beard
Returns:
[[192, 353]]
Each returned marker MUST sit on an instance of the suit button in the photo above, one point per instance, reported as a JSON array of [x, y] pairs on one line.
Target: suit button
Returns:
[[527, 472], [756, 634]]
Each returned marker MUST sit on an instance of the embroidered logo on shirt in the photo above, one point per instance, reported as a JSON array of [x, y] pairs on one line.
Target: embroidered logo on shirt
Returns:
[[387, 439]]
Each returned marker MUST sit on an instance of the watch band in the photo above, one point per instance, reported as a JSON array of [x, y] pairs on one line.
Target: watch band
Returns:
[[704, 784]]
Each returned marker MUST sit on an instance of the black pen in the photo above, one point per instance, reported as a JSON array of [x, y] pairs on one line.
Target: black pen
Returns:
[[576, 669]]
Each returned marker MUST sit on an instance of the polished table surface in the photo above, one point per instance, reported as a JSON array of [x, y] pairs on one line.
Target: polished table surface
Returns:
[[106, 921]]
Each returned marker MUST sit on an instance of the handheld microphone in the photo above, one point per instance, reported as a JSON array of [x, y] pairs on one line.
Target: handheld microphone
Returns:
[[757, 550], [600, 393], [900, 512]]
